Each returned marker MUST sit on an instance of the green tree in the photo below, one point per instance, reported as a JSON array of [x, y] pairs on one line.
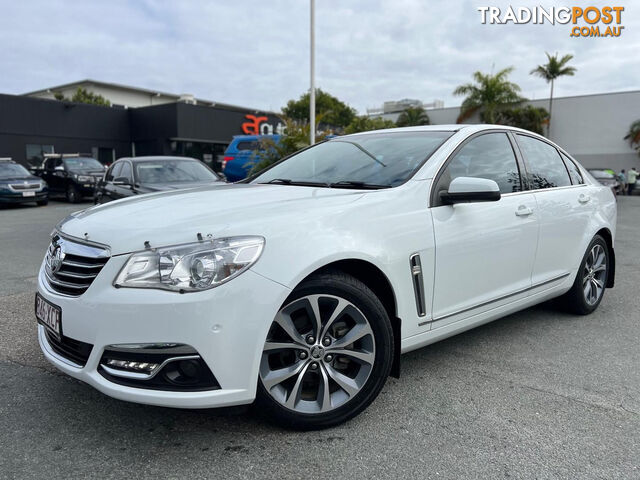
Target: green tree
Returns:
[[489, 94], [634, 135], [530, 118], [365, 124], [413, 116], [334, 112], [82, 95], [550, 71]]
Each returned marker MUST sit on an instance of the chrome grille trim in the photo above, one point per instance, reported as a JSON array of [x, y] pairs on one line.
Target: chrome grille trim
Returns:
[[71, 266], [21, 187]]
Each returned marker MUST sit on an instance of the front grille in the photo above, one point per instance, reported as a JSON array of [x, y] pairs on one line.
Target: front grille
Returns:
[[71, 267], [75, 350], [27, 186]]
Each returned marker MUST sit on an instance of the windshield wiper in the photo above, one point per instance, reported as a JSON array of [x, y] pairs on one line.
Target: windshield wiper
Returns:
[[298, 183], [357, 184]]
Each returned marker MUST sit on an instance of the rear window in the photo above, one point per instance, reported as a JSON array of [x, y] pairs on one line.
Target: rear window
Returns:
[[248, 145]]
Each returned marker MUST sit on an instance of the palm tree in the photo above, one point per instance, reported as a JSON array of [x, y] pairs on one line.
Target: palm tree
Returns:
[[634, 135], [553, 69], [489, 95], [413, 116]]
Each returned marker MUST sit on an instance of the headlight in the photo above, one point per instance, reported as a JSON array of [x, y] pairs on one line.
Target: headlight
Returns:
[[84, 178], [191, 267]]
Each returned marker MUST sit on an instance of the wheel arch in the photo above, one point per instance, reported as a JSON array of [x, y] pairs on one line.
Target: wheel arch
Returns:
[[379, 283], [608, 238]]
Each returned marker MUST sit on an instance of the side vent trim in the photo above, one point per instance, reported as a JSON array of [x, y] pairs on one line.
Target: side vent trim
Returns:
[[418, 283]]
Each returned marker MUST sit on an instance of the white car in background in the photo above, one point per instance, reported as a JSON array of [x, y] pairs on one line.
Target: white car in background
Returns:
[[304, 284]]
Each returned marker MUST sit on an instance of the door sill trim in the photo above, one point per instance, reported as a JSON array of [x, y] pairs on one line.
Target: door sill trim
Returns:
[[489, 302]]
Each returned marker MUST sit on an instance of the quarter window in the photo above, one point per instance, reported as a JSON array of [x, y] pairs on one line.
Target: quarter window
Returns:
[[125, 171], [487, 156], [546, 168], [574, 171], [114, 172]]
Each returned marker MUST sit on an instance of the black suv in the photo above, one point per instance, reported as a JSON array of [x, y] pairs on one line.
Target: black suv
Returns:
[[74, 176], [17, 185]]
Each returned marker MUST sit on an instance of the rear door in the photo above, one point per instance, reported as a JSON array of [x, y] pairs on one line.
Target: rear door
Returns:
[[484, 251], [563, 206]]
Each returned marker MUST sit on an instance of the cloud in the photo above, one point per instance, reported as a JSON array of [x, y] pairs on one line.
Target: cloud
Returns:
[[256, 53]]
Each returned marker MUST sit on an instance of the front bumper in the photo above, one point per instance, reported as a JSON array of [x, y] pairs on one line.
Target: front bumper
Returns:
[[226, 325], [11, 197]]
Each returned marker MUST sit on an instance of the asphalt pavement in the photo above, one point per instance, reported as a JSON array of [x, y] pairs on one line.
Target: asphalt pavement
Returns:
[[539, 394]]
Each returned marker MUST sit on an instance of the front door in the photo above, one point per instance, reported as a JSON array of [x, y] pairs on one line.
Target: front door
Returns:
[[484, 251]]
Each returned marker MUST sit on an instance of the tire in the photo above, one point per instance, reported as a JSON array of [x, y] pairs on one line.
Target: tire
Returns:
[[348, 310], [578, 300], [42, 203], [72, 194]]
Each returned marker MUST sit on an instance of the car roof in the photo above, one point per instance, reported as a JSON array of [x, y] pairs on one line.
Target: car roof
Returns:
[[469, 128], [156, 158]]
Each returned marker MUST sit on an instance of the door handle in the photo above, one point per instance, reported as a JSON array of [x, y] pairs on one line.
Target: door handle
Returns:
[[584, 198], [524, 211]]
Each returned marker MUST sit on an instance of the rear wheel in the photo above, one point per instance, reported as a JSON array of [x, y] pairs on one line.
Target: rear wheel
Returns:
[[328, 353], [588, 289]]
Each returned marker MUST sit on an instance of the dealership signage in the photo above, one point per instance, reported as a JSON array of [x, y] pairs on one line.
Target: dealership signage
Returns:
[[259, 125], [592, 18]]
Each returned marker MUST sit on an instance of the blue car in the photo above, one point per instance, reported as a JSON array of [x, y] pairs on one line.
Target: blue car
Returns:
[[17, 185], [242, 154]]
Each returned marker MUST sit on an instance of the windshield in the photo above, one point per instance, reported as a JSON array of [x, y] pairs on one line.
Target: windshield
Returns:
[[173, 171], [383, 159], [8, 170], [83, 164]]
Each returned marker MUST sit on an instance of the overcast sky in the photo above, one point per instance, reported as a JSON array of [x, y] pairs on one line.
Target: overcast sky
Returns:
[[256, 53]]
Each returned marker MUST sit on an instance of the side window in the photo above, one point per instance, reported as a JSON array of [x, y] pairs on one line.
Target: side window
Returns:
[[574, 171], [125, 171], [487, 156], [546, 168]]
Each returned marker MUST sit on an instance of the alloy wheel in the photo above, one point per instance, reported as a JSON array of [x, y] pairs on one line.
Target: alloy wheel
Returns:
[[318, 355], [594, 274]]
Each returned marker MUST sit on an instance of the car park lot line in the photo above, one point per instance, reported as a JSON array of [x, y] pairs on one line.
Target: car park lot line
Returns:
[[538, 394]]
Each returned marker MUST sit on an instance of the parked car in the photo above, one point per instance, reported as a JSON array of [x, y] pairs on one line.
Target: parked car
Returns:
[[133, 176], [17, 185], [606, 178], [72, 175], [242, 154], [302, 285]]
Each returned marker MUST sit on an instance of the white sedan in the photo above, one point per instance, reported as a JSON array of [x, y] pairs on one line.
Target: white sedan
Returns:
[[302, 286]]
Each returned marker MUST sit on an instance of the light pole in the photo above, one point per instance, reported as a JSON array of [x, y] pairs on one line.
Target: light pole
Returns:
[[312, 93]]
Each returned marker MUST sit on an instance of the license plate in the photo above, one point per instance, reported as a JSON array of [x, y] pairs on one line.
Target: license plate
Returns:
[[49, 315], [28, 194]]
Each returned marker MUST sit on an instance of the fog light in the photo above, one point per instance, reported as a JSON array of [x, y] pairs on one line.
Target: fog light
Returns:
[[141, 367]]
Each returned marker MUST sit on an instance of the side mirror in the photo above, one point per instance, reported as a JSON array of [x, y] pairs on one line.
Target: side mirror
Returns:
[[470, 189], [123, 181]]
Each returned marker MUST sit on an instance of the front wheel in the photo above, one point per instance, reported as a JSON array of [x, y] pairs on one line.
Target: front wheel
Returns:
[[588, 289], [328, 353], [73, 196]]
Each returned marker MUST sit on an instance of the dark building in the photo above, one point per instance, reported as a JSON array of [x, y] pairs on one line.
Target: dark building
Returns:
[[31, 127]]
